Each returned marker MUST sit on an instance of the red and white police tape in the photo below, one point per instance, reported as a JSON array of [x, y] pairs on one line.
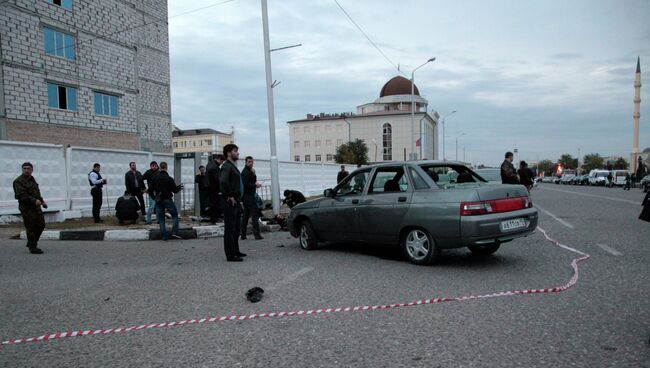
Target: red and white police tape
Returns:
[[570, 283]]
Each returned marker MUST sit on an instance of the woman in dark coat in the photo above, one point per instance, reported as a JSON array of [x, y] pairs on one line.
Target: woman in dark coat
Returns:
[[645, 213]]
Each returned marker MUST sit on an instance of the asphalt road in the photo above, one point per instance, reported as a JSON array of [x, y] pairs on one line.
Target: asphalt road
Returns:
[[603, 321]]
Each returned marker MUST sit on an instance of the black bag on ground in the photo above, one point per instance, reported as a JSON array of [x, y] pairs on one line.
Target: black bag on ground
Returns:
[[126, 209]]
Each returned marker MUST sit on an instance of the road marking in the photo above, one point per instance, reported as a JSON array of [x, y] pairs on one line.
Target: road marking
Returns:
[[563, 222], [290, 278], [610, 250], [593, 195]]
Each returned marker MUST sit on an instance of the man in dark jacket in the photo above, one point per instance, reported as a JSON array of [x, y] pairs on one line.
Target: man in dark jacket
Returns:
[[231, 188], [526, 175], [164, 188], [341, 175], [203, 186], [135, 185], [249, 179], [293, 198], [96, 184], [148, 177], [508, 172], [30, 201], [212, 171]]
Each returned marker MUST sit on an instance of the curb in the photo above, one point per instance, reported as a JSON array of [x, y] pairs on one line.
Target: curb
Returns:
[[212, 231]]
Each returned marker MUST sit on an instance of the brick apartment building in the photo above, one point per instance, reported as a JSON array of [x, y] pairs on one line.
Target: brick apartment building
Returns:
[[85, 73]]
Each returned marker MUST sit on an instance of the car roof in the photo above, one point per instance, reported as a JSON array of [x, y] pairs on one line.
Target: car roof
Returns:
[[416, 163]]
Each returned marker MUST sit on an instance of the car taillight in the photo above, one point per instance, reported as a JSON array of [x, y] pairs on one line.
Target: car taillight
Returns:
[[495, 206]]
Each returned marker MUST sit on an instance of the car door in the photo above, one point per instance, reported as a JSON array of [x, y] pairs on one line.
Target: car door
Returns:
[[337, 218], [382, 209]]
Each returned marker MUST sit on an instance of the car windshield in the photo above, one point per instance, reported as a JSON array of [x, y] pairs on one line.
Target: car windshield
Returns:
[[490, 174], [449, 176]]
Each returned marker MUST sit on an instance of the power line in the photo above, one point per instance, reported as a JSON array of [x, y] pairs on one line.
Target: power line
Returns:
[[366, 36], [142, 25]]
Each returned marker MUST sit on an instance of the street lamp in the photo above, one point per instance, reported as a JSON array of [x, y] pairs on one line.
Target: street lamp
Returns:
[[444, 155], [413, 104], [461, 134]]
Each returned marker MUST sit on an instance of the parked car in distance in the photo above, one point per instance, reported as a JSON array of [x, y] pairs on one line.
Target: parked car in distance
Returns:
[[618, 177], [422, 207], [566, 179], [598, 177], [583, 180], [645, 183], [492, 176]]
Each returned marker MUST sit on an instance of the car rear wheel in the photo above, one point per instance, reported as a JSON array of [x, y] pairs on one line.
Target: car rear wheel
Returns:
[[307, 236], [484, 250], [419, 247]]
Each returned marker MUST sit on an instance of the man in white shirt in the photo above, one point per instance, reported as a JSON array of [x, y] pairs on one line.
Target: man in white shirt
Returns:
[[96, 184]]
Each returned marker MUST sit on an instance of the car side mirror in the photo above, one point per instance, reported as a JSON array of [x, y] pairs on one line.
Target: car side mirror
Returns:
[[328, 193]]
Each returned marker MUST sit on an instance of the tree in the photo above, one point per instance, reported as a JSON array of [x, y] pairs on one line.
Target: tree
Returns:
[[545, 166], [355, 152], [621, 164], [568, 162], [592, 161]]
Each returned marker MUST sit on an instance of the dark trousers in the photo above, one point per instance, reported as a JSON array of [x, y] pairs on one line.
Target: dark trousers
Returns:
[[167, 204], [250, 211], [96, 193], [232, 219], [140, 198], [204, 201], [34, 225], [216, 204]]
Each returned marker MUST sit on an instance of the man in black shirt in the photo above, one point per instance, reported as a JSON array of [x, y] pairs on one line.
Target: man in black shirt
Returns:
[[231, 188], [508, 172], [249, 179], [214, 192], [148, 177], [135, 185], [203, 186], [293, 198], [164, 188], [341, 175]]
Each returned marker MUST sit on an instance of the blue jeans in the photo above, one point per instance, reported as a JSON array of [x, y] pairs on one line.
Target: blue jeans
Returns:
[[151, 207], [167, 204]]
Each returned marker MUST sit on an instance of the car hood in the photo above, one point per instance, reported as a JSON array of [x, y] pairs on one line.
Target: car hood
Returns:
[[314, 203]]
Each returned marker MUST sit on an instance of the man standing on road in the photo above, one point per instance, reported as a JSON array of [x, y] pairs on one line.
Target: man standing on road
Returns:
[[628, 182], [96, 183], [508, 173], [212, 171], [148, 176], [30, 202], [249, 179], [525, 175], [231, 188], [135, 186], [164, 188], [203, 186], [341, 175]]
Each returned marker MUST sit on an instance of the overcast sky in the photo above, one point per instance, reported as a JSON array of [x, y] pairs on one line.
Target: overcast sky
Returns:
[[546, 77]]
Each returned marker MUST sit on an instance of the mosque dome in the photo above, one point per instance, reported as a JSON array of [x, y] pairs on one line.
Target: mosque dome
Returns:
[[398, 86]]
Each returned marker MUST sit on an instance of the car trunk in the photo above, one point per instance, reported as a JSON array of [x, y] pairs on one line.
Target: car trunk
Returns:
[[491, 192]]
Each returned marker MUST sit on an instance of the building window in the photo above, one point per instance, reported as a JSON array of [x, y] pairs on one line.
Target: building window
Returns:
[[318, 158], [317, 143], [296, 158], [58, 43], [339, 142], [328, 128], [61, 97], [329, 157], [307, 158], [105, 104], [387, 142], [208, 142], [328, 143], [296, 144], [175, 144], [296, 130], [306, 130], [307, 145], [65, 4]]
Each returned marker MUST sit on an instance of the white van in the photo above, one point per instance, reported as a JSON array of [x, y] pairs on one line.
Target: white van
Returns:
[[618, 177], [598, 177]]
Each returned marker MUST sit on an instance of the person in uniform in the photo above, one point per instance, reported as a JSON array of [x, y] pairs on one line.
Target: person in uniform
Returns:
[[96, 183], [30, 202]]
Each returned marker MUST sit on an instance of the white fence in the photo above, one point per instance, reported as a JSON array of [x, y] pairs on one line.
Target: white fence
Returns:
[[62, 174]]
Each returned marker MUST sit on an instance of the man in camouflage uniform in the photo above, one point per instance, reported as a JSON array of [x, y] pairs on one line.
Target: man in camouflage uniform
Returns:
[[30, 203]]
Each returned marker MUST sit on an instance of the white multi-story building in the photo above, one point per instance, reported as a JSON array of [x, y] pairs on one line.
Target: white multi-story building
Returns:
[[200, 140], [85, 73], [386, 125]]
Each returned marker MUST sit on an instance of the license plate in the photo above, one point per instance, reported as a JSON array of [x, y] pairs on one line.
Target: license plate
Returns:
[[513, 224]]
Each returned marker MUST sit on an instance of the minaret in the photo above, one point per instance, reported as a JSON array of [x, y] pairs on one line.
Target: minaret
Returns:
[[637, 114]]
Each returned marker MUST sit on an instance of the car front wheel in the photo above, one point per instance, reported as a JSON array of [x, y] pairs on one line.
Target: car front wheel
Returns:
[[419, 247], [484, 250], [307, 236]]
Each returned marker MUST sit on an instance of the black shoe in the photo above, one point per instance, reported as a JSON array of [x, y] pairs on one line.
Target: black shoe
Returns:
[[235, 259], [35, 250], [259, 237], [98, 221], [240, 254]]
